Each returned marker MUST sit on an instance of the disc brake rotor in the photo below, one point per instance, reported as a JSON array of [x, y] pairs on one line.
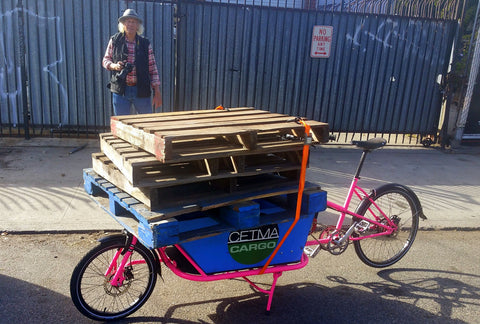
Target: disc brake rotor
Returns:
[[120, 290]]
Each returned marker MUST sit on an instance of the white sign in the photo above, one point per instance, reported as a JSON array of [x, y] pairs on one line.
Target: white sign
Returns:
[[321, 41]]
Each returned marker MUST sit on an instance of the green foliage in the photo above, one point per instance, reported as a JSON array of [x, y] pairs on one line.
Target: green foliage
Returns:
[[466, 30]]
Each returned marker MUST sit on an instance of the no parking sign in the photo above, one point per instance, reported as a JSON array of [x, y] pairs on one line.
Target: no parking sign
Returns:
[[321, 41]]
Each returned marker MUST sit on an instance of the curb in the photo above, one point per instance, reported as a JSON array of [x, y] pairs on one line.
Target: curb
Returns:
[[106, 231]]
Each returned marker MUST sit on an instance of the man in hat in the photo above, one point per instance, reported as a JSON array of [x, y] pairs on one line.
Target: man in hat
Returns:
[[129, 57]]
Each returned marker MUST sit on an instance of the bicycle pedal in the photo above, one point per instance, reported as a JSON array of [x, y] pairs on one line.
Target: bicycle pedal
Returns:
[[362, 226], [311, 252]]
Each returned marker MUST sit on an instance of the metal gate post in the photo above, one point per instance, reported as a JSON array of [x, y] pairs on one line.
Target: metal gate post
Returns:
[[23, 71], [475, 67]]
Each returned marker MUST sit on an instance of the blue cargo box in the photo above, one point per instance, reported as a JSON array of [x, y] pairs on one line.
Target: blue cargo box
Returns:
[[214, 222], [251, 246]]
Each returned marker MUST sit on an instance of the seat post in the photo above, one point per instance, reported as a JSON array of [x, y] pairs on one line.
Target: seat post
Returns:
[[360, 164]]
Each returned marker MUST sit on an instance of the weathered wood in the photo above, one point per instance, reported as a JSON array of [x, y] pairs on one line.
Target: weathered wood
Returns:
[[159, 228], [142, 169], [152, 156], [106, 169], [186, 136], [158, 204], [189, 113]]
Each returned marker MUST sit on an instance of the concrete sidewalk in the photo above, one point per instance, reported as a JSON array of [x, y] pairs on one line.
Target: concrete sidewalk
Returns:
[[41, 184]]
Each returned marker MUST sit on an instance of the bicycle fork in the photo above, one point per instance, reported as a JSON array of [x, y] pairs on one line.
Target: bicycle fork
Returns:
[[119, 271]]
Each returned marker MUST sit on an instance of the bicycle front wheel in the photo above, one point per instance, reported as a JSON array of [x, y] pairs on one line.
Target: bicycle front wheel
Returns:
[[90, 287], [402, 207]]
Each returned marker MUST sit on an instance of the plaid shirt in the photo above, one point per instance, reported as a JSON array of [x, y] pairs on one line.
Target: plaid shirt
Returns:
[[132, 76]]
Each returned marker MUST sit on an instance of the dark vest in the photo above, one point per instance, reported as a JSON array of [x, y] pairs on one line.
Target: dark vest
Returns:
[[120, 53]]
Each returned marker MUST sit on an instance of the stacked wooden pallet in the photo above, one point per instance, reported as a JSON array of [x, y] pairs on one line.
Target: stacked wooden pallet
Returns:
[[161, 159]]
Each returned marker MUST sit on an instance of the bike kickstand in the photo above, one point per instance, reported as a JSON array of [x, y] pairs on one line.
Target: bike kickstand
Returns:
[[269, 292]]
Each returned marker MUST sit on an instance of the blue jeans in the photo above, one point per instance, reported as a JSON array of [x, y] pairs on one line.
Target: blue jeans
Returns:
[[123, 104]]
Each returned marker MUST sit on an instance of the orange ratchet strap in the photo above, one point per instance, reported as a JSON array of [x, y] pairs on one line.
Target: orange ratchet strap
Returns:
[[301, 186]]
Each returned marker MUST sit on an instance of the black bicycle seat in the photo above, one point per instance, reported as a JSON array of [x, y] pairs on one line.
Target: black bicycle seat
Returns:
[[371, 144]]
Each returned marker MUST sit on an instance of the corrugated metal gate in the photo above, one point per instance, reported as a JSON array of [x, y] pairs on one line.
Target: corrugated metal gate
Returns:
[[65, 42], [381, 76]]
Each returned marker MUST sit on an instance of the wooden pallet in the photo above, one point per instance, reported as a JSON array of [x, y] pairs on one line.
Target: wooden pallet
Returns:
[[203, 134], [156, 229], [170, 196], [199, 197], [142, 169]]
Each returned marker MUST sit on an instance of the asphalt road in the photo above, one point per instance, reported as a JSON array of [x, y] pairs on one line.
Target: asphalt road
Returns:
[[438, 281]]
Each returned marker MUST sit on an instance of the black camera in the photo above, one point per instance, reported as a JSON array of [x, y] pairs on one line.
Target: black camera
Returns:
[[127, 68]]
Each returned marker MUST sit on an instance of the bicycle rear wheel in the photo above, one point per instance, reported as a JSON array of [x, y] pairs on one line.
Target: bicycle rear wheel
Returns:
[[90, 287], [401, 206]]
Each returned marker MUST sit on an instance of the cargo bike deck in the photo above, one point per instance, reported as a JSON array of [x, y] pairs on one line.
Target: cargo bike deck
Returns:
[[222, 236]]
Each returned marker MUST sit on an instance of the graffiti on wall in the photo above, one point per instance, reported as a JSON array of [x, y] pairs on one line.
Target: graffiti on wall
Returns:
[[10, 77], [384, 33]]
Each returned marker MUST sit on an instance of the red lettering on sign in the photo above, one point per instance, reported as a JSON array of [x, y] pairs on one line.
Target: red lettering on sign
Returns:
[[321, 41]]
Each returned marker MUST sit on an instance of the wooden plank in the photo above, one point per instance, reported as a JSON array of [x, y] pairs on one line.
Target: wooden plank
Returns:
[[164, 126], [142, 169], [165, 121], [214, 130], [177, 137], [188, 114], [106, 169], [168, 193]]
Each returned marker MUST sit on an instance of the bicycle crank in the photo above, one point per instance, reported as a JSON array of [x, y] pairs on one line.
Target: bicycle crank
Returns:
[[338, 243]]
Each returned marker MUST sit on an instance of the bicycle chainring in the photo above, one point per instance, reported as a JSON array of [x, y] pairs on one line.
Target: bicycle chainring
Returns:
[[326, 234], [333, 246]]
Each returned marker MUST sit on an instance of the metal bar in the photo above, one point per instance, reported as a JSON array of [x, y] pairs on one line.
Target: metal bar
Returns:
[[400, 79], [23, 71], [343, 95]]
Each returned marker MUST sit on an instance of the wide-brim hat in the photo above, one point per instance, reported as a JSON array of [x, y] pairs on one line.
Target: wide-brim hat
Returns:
[[130, 13]]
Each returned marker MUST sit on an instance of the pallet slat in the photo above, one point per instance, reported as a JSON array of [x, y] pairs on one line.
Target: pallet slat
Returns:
[[197, 197], [219, 133], [155, 231], [142, 169]]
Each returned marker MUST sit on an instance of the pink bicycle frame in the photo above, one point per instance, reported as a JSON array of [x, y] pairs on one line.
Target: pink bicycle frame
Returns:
[[118, 278], [376, 212], [276, 270]]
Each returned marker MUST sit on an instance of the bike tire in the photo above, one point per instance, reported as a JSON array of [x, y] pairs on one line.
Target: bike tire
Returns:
[[401, 205], [91, 291]]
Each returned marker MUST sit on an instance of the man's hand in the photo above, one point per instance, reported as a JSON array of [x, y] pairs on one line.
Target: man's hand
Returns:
[[116, 66], [157, 99]]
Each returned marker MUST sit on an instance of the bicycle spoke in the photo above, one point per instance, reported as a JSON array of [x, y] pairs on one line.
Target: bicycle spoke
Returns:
[[96, 297], [401, 208]]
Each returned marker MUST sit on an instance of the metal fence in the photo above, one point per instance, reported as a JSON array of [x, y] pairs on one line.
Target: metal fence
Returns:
[[381, 75], [64, 83], [434, 9]]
